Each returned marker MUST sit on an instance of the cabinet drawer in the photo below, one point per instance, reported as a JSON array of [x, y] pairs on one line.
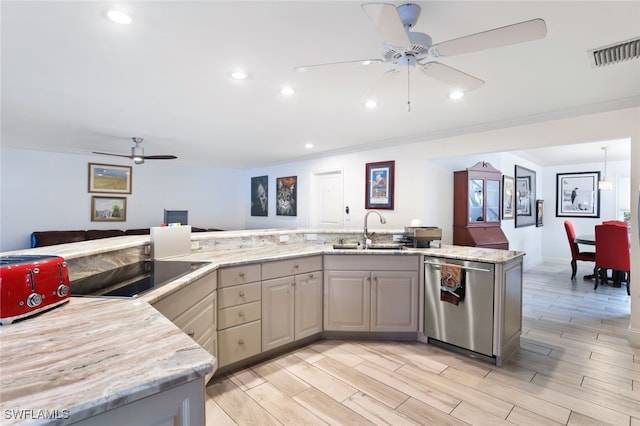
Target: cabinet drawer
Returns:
[[183, 299], [239, 314], [283, 268], [356, 262], [198, 322], [239, 294], [237, 343], [235, 275]]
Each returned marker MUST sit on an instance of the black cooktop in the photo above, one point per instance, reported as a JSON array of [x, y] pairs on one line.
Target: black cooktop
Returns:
[[134, 279]]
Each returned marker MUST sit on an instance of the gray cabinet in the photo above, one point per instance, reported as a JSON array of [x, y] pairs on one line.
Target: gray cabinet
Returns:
[[193, 310], [371, 293], [291, 304], [239, 313]]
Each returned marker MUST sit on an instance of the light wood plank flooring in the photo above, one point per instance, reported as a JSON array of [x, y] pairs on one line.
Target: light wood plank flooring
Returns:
[[575, 367]]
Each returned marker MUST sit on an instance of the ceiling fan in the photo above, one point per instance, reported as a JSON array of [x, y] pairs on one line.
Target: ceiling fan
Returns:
[[407, 49], [137, 153]]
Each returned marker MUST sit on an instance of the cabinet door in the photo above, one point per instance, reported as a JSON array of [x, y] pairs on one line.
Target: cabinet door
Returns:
[[492, 200], [277, 312], [308, 306], [476, 200], [346, 300], [394, 301]]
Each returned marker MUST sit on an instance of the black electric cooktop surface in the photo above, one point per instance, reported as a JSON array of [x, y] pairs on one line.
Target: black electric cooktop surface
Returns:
[[134, 279]]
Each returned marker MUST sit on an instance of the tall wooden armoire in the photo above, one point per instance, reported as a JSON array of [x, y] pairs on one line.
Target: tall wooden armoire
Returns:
[[477, 195]]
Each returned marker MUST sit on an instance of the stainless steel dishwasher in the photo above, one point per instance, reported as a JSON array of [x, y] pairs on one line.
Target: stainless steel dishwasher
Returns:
[[467, 326]]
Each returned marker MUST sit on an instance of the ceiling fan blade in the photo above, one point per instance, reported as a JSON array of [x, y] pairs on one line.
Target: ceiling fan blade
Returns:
[[159, 157], [358, 62], [386, 78], [451, 76], [115, 155], [511, 34], [388, 23]]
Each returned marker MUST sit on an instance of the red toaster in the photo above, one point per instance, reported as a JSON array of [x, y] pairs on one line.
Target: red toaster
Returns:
[[30, 284]]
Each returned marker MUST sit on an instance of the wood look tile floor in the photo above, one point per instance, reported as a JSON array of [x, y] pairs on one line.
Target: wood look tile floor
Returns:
[[574, 367]]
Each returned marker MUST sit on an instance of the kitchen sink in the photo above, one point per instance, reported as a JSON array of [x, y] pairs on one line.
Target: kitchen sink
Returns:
[[355, 246]]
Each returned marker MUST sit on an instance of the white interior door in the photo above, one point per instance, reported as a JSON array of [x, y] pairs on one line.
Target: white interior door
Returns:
[[328, 199]]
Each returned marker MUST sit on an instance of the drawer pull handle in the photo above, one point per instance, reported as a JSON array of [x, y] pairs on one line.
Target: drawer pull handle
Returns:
[[241, 294], [241, 274], [310, 275], [295, 266], [191, 333], [240, 314], [241, 342]]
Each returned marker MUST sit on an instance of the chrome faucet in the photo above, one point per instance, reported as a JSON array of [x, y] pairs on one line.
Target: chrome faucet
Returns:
[[367, 241]]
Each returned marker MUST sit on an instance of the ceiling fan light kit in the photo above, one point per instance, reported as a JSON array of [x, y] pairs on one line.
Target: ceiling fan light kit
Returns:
[[407, 49]]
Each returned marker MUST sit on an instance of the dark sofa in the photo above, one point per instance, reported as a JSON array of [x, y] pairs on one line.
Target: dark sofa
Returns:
[[49, 238]]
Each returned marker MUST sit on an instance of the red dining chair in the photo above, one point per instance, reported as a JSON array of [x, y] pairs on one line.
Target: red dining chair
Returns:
[[612, 252], [576, 254]]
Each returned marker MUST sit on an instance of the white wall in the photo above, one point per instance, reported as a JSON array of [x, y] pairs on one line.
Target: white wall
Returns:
[[44, 191]]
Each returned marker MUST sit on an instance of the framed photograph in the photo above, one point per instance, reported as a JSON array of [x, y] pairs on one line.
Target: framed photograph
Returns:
[[260, 196], [525, 195], [577, 194], [379, 185], [108, 178], [508, 191], [286, 196], [539, 213], [108, 209]]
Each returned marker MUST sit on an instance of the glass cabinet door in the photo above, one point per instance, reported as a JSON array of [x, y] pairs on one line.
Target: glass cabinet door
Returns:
[[493, 201], [476, 200]]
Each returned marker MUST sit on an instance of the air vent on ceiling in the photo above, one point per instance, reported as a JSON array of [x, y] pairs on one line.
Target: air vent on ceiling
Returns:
[[615, 53]]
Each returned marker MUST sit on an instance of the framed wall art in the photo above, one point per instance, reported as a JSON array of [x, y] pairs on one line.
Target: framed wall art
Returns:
[[260, 196], [286, 196], [108, 209], [577, 194], [539, 213], [379, 185], [525, 195], [108, 178], [508, 191]]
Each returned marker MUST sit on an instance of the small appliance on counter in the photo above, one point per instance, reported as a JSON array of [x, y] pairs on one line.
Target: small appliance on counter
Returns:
[[30, 284], [423, 236]]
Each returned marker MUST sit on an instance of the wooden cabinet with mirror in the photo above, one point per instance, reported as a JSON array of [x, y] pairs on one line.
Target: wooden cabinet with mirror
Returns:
[[477, 192]]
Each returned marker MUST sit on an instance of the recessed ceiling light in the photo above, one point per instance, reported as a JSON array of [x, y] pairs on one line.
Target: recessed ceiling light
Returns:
[[119, 17], [456, 94], [287, 91], [239, 75], [308, 145], [371, 104]]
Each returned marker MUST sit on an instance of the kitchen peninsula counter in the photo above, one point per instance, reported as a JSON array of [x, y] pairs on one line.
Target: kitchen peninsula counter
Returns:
[[94, 354], [89, 356]]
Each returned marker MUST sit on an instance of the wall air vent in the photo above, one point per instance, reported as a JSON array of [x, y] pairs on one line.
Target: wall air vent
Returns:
[[615, 53]]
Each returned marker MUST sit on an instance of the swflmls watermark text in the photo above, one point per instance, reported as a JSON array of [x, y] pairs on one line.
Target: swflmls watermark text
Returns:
[[30, 414]]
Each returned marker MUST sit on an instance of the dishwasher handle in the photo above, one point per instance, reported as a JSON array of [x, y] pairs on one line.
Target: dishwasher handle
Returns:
[[435, 265]]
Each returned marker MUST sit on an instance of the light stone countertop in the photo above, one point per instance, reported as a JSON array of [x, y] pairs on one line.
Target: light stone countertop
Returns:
[[91, 355], [234, 257]]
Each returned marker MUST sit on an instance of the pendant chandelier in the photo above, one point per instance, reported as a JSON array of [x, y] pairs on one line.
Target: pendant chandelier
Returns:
[[604, 184]]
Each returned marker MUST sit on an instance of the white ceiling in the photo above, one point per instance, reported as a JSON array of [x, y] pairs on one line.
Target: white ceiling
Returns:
[[72, 81]]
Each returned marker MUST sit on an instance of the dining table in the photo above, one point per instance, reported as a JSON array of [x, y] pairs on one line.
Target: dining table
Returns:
[[585, 239]]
